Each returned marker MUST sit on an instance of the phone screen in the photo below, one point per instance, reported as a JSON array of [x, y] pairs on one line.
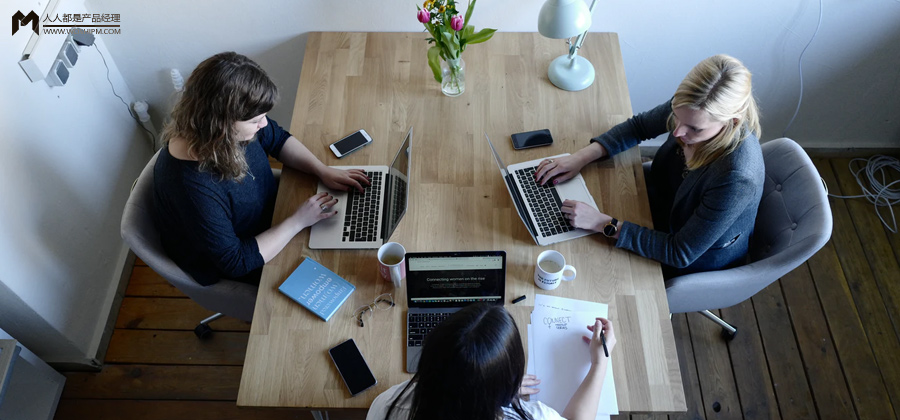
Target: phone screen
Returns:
[[350, 143], [532, 139], [352, 367]]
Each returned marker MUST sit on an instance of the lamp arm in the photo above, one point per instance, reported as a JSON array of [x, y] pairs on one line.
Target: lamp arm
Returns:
[[573, 49]]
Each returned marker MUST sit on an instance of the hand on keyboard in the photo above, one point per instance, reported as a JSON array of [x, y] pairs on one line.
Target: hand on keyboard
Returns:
[[317, 207], [558, 169], [343, 180], [583, 216]]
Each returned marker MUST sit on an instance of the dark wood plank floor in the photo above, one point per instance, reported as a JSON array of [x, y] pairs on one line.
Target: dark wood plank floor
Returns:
[[823, 342]]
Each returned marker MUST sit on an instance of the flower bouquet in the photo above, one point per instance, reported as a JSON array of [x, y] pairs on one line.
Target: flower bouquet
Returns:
[[450, 34]]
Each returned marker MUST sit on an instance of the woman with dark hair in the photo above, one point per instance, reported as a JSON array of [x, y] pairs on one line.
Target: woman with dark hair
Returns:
[[473, 366], [214, 188], [705, 182]]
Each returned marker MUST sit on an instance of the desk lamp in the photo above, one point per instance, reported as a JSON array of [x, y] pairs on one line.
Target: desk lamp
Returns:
[[564, 19]]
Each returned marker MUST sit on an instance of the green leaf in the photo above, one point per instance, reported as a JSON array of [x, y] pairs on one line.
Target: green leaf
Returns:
[[482, 35], [451, 43], [469, 10], [466, 32], [434, 62]]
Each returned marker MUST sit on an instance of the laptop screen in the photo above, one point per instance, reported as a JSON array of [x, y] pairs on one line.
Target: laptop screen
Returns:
[[454, 279], [397, 188]]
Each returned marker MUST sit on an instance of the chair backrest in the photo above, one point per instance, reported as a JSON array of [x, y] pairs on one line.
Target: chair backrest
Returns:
[[793, 222], [139, 231]]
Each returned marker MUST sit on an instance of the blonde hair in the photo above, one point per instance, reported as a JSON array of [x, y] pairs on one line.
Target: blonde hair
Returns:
[[719, 85], [224, 89]]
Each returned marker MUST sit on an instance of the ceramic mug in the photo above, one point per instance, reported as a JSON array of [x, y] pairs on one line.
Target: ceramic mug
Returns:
[[391, 264], [551, 269]]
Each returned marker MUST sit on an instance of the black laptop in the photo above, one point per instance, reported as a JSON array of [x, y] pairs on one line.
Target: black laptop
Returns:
[[441, 283]]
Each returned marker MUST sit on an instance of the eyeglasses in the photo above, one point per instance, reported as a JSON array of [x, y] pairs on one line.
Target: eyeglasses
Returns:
[[382, 302]]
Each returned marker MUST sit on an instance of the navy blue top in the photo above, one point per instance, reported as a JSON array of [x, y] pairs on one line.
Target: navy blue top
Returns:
[[208, 225], [703, 217]]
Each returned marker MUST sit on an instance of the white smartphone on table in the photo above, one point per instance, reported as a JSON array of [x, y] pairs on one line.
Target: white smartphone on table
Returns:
[[351, 143]]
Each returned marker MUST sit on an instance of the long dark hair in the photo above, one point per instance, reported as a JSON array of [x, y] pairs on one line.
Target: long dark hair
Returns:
[[224, 89], [471, 367]]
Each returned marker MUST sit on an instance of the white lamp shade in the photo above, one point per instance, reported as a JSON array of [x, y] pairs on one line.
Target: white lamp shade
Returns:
[[563, 18]]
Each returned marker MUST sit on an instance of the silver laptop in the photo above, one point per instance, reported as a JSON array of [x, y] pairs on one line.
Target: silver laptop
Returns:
[[441, 283], [539, 205], [366, 220]]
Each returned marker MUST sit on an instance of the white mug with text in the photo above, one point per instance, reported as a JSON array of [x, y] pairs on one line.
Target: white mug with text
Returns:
[[551, 269]]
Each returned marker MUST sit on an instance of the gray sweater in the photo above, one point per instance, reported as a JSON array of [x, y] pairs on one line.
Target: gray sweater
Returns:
[[704, 220]]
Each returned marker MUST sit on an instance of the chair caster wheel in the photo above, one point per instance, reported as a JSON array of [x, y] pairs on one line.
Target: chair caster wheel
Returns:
[[203, 331], [728, 335]]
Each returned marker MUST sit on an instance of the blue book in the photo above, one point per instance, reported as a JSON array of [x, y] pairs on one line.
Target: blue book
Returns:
[[317, 288]]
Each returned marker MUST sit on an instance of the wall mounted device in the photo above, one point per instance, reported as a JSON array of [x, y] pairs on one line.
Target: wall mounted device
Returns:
[[59, 74], [69, 53]]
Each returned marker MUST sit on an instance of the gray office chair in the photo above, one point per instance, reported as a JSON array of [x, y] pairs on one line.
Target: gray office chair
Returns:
[[227, 297], [793, 223]]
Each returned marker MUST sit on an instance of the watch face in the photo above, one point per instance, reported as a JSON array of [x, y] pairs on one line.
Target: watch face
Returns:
[[609, 230]]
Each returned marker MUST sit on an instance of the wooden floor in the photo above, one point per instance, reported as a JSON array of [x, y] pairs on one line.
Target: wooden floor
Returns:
[[823, 342]]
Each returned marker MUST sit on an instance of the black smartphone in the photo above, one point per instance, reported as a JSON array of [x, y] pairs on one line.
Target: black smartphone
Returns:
[[531, 139], [350, 144], [352, 366]]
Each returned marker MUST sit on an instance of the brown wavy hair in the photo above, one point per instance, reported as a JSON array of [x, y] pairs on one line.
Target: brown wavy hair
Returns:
[[224, 89], [719, 85]]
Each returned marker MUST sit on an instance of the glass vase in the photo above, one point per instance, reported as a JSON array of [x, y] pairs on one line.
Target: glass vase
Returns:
[[453, 77]]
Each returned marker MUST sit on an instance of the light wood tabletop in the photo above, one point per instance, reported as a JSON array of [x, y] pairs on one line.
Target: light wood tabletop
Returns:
[[381, 82]]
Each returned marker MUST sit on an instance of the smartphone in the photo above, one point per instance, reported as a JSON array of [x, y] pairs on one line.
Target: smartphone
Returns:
[[351, 143], [531, 139], [352, 366]]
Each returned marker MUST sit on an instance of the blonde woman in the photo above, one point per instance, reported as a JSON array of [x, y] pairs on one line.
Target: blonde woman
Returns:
[[705, 181], [214, 190]]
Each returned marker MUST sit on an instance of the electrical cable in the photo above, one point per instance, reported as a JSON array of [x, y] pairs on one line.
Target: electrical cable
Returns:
[[128, 107], [800, 69], [879, 192]]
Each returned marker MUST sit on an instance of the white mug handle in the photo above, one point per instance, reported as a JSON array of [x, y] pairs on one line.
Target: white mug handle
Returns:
[[569, 268], [396, 276]]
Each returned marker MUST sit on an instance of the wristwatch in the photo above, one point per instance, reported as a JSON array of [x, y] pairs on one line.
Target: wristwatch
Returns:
[[611, 228]]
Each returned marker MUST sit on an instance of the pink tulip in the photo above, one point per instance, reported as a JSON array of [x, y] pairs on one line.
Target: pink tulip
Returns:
[[456, 22], [423, 16]]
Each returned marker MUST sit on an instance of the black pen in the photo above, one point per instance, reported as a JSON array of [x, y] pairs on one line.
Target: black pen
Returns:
[[603, 341], [519, 299]]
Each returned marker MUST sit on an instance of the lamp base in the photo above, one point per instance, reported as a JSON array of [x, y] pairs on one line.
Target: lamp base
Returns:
[[572, 75]]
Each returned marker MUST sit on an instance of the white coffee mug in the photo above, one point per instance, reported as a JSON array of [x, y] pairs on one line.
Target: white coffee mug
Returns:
[[551, 269], [391, 265]]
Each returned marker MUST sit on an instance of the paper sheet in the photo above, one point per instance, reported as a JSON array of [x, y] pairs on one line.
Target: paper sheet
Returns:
[[559, 356]]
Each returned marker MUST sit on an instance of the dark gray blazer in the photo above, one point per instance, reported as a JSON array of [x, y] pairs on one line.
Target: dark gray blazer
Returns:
[[706, 218]]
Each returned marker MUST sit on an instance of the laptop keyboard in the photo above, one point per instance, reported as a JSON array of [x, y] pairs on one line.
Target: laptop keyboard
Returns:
[[419, 325], [363, 208], [544, 202]]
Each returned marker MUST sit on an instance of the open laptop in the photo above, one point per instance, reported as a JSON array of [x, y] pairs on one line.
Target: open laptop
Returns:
[[441, 283], [539, 205], [366, 220]]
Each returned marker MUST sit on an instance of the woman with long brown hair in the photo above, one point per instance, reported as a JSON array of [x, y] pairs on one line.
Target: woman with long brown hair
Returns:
[[214, 189]]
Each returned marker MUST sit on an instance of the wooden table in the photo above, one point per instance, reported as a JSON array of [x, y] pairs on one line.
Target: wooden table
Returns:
[[381, 82]]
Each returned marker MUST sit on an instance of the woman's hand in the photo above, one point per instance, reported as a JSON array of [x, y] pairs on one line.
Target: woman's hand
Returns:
[[558, 169], [343, 180], [581, 215], [529, 382], [597, 353], [565, 168], [317, 207]]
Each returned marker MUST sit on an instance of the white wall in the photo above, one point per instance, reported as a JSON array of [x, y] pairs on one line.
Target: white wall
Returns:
[[69, 157], [851, 76]]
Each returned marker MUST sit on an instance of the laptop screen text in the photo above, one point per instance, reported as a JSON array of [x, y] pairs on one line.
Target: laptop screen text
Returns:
[[455, 281]]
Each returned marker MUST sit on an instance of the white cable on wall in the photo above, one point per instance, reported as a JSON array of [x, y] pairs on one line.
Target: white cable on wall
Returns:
[[800, 69], [879, 191]]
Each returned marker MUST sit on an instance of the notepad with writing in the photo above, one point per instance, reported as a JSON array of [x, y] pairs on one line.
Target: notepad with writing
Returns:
[[317, 288]]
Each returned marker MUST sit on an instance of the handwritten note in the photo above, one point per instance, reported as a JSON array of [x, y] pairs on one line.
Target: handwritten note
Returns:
[[559, 356]]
